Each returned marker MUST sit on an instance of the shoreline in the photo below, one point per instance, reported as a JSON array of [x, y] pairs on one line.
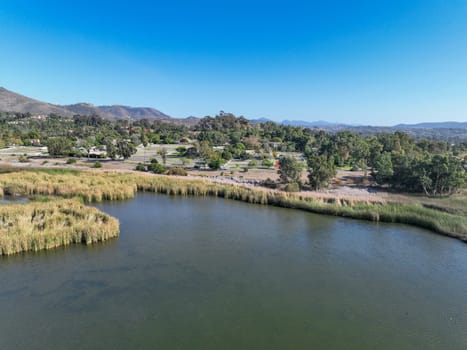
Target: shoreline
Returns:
[[95, 186]]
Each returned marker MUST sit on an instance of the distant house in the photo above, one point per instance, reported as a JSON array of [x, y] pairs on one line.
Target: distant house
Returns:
[[95, 152], [201, 165], [275, 145], [39, 116]]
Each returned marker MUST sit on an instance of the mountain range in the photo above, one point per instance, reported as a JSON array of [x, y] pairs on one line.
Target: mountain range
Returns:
[[13, 102]]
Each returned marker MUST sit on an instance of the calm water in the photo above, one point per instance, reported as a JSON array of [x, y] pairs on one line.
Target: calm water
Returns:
[[214, 274], [13, 200]]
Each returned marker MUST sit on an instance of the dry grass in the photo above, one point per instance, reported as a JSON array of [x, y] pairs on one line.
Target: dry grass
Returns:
[[36, 226]]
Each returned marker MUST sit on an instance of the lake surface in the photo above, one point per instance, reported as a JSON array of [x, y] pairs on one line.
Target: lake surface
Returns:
[[208, 273]]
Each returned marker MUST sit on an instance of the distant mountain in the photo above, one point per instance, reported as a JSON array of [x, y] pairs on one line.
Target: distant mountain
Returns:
[[260, 120], [436, 125], [87, 109], [315, 124], [135, 112], [14, 102]]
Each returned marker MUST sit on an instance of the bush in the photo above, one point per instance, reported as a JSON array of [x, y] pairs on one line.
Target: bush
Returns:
[[252, 163], [156, 168], [23, 159], [97, 165], [215, 163], [292, 187], [177, 171], [267, 162], [140, 167], [181, 150], [71, 161]]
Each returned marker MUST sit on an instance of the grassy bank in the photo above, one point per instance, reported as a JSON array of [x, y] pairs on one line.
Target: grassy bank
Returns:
[[42, 225], [97, 186]]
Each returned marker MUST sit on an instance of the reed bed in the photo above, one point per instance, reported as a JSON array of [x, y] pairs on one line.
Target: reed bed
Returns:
[[97, 186], [90, 186], [36, 226]]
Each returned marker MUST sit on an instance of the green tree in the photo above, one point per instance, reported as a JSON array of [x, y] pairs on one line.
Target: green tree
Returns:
[[383, 170], [59, 146], [111, 149], [320, 171], [215, 162], [443, 175], [163, 153], [125, 149], [290, 170], [204, 149]]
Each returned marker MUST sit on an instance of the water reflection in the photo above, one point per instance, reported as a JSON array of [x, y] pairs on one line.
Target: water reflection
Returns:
[[206, 273]]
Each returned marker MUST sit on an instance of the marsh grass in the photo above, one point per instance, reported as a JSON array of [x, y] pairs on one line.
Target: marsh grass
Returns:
[[95, 186], [44, 225]]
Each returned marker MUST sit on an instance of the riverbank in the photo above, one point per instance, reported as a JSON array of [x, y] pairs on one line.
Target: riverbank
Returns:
[[95, 186]]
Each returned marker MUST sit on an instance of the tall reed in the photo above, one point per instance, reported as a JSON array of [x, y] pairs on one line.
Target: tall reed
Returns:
[[35, 226]]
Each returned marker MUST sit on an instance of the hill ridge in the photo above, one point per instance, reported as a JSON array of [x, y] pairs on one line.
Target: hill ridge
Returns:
[[11, 101]]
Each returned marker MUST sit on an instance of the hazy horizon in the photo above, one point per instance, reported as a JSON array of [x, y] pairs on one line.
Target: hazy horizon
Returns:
[[365, 62]]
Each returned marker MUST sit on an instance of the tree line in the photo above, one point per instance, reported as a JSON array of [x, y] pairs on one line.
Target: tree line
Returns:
[[395, 160]]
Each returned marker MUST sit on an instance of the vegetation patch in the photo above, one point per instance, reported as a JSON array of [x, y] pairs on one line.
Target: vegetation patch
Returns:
[[42, 225]]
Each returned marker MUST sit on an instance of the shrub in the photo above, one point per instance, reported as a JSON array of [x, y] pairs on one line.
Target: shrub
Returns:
[[71, 161], [292, 187], [140, 167], [177, 171], [97, 165], [156, 168], [181, 150], [252, 163], [267, 162], [23, 159], [215, 163]]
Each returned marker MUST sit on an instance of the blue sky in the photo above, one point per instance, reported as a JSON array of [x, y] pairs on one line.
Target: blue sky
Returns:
[[366, 62]]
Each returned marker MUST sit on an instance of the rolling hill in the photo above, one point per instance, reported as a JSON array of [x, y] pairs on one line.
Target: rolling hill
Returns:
[[13, 102]]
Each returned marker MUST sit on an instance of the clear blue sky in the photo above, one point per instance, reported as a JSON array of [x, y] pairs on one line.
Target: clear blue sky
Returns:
[[367, 62]]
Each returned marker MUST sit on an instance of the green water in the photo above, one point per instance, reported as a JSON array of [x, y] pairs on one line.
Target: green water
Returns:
[[206, 273]]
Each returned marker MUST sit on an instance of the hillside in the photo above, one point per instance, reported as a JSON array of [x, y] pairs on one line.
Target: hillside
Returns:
[[13, 102], [121, 112]]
